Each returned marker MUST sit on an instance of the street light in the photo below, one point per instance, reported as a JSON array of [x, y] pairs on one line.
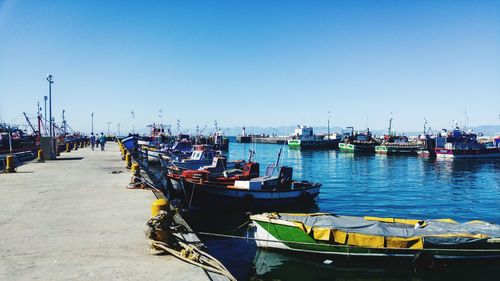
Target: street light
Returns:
[[92, 118], [109, 123], [45, 114], [49, 79]]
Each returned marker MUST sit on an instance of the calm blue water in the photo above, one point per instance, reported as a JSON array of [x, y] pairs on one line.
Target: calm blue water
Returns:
[[392, 186], [375, 185]]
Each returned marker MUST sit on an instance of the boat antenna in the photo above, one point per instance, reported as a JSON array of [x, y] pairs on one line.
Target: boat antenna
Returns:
[[465, 120], [132, 120]]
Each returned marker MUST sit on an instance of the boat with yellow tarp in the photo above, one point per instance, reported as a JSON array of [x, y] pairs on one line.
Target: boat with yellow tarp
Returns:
[[405, 240]]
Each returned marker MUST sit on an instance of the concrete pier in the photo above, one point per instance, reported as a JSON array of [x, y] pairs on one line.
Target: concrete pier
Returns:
[[73, 219]]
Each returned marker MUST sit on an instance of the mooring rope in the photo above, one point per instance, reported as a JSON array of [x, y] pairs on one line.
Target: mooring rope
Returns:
[[162, 227]]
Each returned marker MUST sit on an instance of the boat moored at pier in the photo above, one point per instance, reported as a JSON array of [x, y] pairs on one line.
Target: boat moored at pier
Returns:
[[461, 144], [304, 138], [414, 242], [358, 142], [246, 190], [397, 145]]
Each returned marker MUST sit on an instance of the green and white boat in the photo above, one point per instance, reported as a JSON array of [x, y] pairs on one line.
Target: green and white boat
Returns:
[[397, 145], [382, 239], [361, 142], [304, 138]]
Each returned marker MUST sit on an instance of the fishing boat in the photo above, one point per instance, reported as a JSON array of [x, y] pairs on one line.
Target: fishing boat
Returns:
[[461, 144], [247, 190], [396, 144], [378, 239], [392, 144], [359, 142], [304, 138], [13, 140]]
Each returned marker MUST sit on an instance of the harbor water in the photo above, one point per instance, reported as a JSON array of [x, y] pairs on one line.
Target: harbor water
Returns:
[[374, 185]]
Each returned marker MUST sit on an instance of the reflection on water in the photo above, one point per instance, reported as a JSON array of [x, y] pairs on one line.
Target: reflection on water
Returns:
[[378, 185], [269, 265]]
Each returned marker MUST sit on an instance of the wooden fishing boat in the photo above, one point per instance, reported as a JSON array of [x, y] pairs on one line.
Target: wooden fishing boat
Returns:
[[387, 239], [260, 193], [358, 142], [246, 190]]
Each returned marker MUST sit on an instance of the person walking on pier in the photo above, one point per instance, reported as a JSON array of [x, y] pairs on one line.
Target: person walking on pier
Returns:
[[102, 141], [92, 140]]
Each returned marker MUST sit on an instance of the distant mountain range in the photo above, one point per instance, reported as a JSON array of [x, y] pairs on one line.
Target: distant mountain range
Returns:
[[487, 130]]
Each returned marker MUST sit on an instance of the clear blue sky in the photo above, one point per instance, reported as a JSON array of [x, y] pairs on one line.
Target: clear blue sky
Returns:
[[263, 63]]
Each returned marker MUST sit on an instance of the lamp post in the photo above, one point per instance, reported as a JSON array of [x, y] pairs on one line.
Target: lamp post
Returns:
[[109, 123], [45, 114], [49, 79], [92, 118]]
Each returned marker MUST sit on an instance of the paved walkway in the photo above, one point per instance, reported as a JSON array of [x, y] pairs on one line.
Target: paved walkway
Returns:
[[73, 219]]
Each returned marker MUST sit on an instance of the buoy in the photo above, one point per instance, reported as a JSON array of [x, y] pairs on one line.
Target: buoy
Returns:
[[159, 205], [40, 156], [9, 165], [68, 148], [128, 160]]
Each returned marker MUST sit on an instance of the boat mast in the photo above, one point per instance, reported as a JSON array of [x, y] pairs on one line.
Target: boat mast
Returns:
[[328, 124], [39, 119], [390, 126]]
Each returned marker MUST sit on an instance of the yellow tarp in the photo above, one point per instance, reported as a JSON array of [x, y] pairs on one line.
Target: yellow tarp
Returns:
[[447, 220], [364, 240], [393, 220], [467, 235], [322, 233], [339, 236], [475, 221], [405, 243], [306, 229]]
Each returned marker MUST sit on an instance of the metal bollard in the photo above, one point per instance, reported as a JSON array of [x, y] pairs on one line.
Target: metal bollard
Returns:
[[10, 165], [135, 170], [159, 205], [40, 158], [128, 160]]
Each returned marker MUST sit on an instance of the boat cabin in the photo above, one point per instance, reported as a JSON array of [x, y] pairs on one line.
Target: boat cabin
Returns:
[[198, 155], [268, 182], [304, 133]]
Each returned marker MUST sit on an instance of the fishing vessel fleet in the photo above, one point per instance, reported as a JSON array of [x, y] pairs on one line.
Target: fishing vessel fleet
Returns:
[[199, 174]]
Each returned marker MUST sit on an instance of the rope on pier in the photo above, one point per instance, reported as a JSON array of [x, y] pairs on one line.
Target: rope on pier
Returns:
[[161, 241]]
